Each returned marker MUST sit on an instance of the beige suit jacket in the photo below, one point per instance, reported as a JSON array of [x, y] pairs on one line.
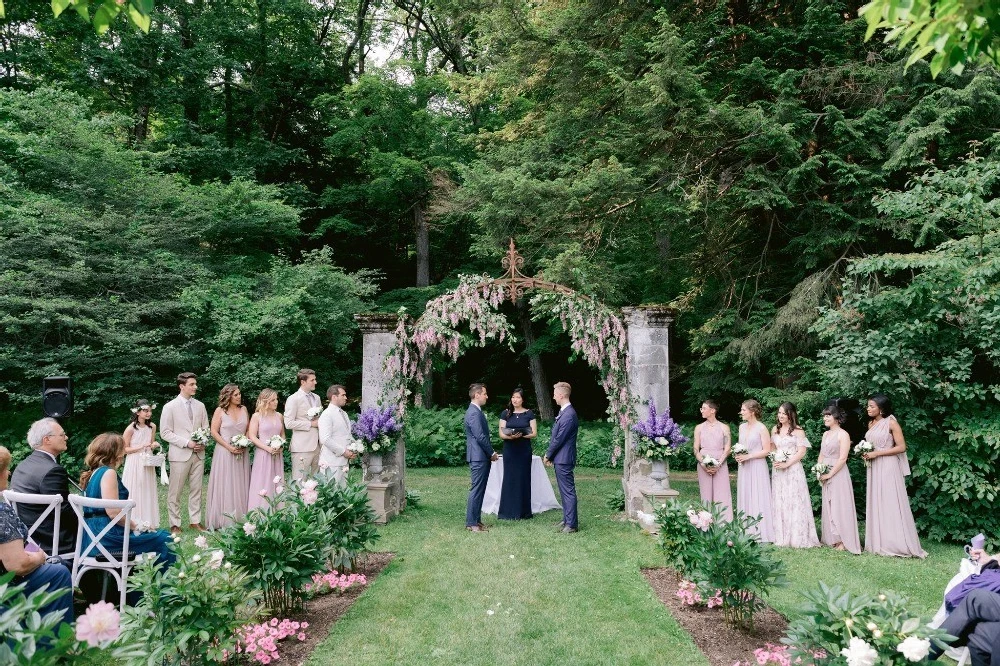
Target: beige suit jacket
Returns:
[[334, 435], [304, 437], [176, 427]]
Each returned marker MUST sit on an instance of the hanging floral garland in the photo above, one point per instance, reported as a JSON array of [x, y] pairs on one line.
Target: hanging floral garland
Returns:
[[597, 335]]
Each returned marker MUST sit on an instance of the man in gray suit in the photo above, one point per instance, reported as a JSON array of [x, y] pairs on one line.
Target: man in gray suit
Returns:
[[41, 474], [479, 454], [179, 418]]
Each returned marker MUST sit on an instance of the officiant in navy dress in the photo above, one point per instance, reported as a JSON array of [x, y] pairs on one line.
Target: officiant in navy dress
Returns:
[[518, 428]]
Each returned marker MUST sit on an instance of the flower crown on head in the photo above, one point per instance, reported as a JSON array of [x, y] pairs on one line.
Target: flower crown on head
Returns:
[[135, 410]]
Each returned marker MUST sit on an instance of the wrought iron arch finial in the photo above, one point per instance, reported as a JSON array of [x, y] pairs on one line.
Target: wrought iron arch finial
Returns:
[[514, 282]]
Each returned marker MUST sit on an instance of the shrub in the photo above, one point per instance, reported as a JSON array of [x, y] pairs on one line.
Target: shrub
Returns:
[[832, 621], [677, 536], [615, 500], [187, 611], [281, 547], [349, 518], [30, 638]]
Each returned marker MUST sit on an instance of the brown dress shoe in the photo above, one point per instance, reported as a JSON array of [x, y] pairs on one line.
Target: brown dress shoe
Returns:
[[175, 529], [482, 527], [474, 528], [198, 526]]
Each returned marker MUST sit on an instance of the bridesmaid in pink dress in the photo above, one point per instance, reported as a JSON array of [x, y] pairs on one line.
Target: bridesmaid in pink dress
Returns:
[[794, 524], [229, 480], [840, 518], [714, 439], [268, 463], [753, 485], [889, 526]]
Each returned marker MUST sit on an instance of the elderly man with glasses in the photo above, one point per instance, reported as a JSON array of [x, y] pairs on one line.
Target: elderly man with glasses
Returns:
[[41, 474]]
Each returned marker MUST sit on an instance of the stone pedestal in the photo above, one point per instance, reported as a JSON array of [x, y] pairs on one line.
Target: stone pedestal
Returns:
[[649, 381], [386, 490], [654, 499]]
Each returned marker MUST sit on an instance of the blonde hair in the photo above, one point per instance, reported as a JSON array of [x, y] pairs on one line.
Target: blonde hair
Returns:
[[226, 395], [754, 407], [4, 460], [105, 450], [264, 398], [564, 388]]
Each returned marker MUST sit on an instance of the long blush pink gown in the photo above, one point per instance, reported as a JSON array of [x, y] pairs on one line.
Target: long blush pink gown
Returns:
[[889, 526], [265, 466], [229, 480], [840, 517], [753, 484]]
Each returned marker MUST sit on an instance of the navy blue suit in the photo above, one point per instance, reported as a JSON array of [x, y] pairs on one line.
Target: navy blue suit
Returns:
[[478, 453], [562, 454]]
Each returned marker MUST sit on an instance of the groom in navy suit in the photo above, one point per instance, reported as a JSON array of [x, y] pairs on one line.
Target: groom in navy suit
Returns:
[[562, 454], [479, 454]]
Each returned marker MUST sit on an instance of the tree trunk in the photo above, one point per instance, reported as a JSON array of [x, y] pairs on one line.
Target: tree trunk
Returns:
[[228, 99], [538, 377], [423, 247]]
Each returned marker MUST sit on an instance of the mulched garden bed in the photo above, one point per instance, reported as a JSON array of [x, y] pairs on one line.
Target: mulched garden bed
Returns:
[[323, 611], [721, 643]]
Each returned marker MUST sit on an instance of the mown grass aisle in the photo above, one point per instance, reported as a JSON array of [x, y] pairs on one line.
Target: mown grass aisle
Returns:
[[556, 598]]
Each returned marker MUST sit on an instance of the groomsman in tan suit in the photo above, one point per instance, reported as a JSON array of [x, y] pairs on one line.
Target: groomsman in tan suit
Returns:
[[335, 434], [179, 418], [304, 446]]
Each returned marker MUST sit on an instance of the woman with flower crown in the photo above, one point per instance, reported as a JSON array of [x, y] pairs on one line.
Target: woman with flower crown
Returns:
[[140, 480], [268, 462], [229, 480]]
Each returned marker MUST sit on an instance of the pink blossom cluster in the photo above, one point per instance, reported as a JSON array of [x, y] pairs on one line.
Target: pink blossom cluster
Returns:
[[334, 582], [688, 593], [776, 654], [259, 642], [702, 520]]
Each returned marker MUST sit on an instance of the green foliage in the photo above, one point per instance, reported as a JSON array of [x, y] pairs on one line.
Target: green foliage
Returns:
[[920, 327], [615, 501], [33, 639], [436, 436], [957, 33], [830, 617], [350, 521], [721, 555], [189, 612]]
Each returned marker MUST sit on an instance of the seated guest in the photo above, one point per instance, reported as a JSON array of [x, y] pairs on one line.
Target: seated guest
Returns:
[[104, 455], [976, 623], [26, 562], [41, 474]]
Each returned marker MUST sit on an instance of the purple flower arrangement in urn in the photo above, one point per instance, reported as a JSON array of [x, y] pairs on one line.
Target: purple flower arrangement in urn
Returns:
[[658, 436], [377, 427]]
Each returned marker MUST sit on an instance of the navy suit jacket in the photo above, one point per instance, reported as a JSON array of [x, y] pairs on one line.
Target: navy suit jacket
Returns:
[[478, 446], [38, 474], [562, 442]]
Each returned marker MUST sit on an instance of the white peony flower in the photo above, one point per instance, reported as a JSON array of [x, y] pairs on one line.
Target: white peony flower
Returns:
[[914, 649], [249, 528], [216, 560], [859, 653], [181, 575], [196, 558], [276, 479], [201, 542]]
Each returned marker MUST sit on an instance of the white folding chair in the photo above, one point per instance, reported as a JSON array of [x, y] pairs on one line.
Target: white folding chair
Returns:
[[96, 556], [53, 507]]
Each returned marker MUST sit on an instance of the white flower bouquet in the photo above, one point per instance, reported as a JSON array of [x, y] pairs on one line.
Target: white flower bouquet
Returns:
[[275, 443], [863, 447], [819, 469], [356, 446], [313, 412], [740, 450], [141, 527], [201, 436], [709, 462], [240, 442], [778, 456]]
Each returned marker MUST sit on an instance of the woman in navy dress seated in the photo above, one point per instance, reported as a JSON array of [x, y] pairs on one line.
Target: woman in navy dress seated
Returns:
[[517, 428], [28, 562], [100, 481]]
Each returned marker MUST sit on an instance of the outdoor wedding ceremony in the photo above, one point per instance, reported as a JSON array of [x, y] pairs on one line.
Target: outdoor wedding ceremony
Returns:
[[522, 333]]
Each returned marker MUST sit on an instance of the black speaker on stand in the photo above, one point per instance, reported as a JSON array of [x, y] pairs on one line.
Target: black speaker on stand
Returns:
[[57, 397]]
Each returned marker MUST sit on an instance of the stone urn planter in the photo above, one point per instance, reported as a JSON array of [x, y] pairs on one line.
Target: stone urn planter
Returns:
[[658, 473]]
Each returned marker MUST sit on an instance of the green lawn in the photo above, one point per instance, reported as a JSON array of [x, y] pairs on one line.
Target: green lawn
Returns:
[[557, 599]]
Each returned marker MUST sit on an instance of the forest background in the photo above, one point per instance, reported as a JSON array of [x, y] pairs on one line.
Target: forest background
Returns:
[[223, 193]]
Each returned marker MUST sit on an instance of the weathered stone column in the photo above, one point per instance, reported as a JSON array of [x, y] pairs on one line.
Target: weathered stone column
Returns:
[[386, 490], [649, 381]]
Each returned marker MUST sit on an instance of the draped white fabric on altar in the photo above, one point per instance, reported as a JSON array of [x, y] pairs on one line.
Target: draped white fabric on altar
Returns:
[[543, 497]]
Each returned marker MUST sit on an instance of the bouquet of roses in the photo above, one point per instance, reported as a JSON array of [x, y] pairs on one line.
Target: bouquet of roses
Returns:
[[658, 436], [778, 456], [709, 462], [275, 443], [313, 412], [819, 469], [377, 429], [863, 447], [240, 442], [201, 436]]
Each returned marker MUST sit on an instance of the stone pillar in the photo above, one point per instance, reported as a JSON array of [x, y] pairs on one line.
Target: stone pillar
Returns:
[[386, 490], [649, 380]]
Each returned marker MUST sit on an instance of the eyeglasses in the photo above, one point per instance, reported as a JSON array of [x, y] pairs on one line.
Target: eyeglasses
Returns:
[[61, 434]]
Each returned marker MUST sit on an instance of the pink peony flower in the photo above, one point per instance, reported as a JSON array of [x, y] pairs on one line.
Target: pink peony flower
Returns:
[[99, 625], [201, 542], [309, 496], [249, 528]]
